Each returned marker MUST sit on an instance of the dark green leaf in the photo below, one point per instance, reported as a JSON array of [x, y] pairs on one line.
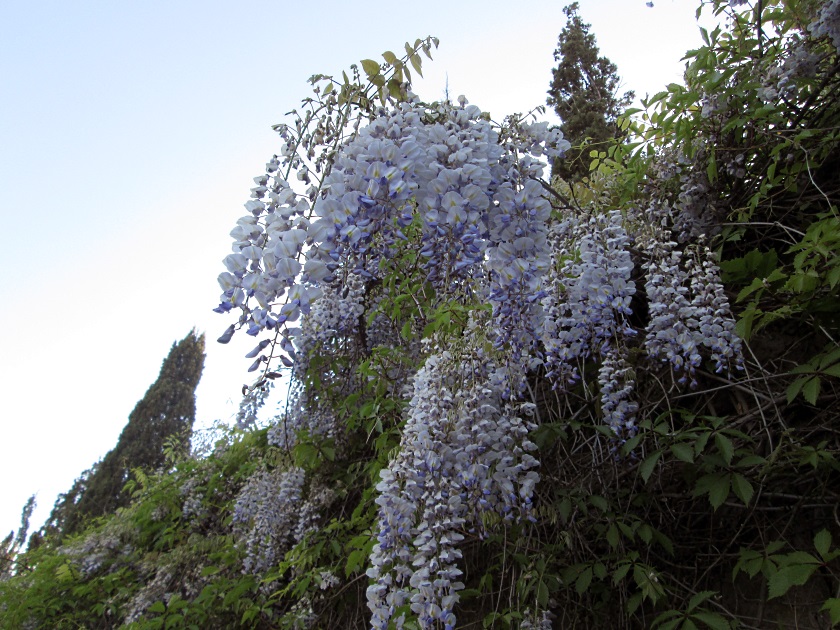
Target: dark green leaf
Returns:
[[683, 452], [787, 577], [583, 580], [832, 606], [649, 464], [811, 390], [822, 542], [742, 488], [712, 620], [725, 447]]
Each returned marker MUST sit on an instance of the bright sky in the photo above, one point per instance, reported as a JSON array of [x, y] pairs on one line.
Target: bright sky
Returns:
[[129, 134]]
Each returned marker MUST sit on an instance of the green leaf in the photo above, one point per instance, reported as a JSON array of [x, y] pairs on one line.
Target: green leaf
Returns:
[[751, 288], [649, 464], [833, 276], [683, 452], [394, 88], [583, 580], [613, 536], [794, 388], [668, 620], [822, 543], [565, 509], [634, 602], [542, 594], [716, 486], [832, 606], [628, 531], [719, 492], [742, 488], [620, 573], [416, 63], [712, 620], [599, 502], [748, 461], [370, 67], [406, 331], [711, 169], [157, 607], [699, 598], [355, 561], [787, 577], [389, 57], [176, 603], [811, 390], [724, 445]]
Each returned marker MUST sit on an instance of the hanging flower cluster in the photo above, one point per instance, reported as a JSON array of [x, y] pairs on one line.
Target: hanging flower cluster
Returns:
[[266, 515], [711, 320], [441, 168], [464, 452], [668, 335], [587, 308], [688, 308], [827, 22]]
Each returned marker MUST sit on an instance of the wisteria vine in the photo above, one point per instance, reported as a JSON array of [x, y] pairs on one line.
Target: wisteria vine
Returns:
[[462, 204]]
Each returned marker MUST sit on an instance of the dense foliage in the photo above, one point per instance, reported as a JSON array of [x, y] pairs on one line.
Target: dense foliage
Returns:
[[514, 402]]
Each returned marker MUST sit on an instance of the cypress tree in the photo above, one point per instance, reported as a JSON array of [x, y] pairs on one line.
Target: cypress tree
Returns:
[[12, 545], [584, 93], [165, 413]]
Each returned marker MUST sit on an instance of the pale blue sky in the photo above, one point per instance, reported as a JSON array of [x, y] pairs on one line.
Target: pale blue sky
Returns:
[[129, 134]]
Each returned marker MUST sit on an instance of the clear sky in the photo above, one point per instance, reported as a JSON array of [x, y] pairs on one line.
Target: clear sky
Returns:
[[129, 134]]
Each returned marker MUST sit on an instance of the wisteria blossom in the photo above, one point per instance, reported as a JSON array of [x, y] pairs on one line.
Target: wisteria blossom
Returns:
[[266, 515], [444, 169], [464, 452], [442, 193]]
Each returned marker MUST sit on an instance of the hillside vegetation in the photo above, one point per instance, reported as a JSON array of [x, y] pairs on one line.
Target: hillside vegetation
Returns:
[[516, 401]]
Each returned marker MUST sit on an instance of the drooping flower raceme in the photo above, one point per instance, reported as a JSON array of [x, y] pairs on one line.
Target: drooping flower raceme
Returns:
[[464, 452], [265, 516], [827, 22], [687, 304], [715, 324], [587, 308], [669, 337]]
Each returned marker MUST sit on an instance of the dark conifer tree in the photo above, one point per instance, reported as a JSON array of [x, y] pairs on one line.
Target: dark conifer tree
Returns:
[[166, 412], [12, 545], [584, 93]]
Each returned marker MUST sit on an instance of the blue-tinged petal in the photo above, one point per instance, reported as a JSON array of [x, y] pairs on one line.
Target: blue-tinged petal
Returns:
[[226, 336], [260, 347], [236, 263]]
